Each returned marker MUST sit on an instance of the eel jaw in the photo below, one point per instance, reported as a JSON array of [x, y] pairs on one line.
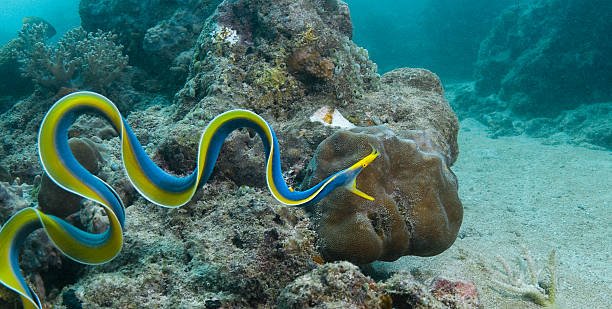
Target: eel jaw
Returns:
[[357, 168]]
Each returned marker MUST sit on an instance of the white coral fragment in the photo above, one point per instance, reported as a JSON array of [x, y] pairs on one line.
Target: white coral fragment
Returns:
[[330, 116], [223, 34]]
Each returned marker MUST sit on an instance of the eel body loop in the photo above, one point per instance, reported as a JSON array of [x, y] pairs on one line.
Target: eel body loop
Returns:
[[152, 182]]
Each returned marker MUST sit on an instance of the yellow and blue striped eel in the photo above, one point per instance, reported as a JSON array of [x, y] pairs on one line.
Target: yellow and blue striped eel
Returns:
[[151, 181]]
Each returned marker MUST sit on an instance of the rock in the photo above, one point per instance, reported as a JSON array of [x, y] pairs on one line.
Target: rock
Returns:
[[334, 285], [406, 292], [548, 57], [232, 247], [5, 175], [417, 210], [13, 199], [455, 293], [267, 55], [442, 293], [412, 99]]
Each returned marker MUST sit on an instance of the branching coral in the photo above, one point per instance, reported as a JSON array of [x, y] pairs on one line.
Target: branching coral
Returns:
[[103, 60], [47, 66], [79, 60], [527, 282]]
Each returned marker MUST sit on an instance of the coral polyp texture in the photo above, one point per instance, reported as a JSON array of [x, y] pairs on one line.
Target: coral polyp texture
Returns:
[[416, 210]]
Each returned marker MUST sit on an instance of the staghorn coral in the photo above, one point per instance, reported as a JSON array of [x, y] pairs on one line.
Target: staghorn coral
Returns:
[[48, 67], [156, 35], [417, 210], [79, 60]]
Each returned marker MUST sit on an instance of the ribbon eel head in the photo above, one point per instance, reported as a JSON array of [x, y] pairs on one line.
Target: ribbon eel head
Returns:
[[352, 172]]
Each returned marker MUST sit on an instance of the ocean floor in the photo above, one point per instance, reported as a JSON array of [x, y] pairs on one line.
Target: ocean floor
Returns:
[[519, 193]]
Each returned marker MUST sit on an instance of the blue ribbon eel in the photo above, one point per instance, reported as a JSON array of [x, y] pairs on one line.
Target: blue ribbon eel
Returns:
[[152, 182]]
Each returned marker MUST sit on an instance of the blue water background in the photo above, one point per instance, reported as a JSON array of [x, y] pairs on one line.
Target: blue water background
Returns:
[[440, 35], [63, 15]]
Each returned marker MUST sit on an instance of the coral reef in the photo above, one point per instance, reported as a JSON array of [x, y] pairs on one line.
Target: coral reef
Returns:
[[416, 210], [232, 246], [541, 63], [80, 59], [547, 57], [159, 36]]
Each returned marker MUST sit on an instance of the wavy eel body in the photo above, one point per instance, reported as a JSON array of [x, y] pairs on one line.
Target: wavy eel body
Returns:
[[150, 181]]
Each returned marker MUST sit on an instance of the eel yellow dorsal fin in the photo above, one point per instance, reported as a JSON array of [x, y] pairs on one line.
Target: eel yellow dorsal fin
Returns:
[[353, 188]]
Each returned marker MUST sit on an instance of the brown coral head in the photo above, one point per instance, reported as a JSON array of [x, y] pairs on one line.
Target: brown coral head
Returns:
[[416, 210]]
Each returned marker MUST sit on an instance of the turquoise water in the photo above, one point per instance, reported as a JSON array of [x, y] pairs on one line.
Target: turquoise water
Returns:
[[440, 35], [63, 15]]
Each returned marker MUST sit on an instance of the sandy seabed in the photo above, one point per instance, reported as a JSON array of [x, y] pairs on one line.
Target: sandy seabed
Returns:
[[518, 193]]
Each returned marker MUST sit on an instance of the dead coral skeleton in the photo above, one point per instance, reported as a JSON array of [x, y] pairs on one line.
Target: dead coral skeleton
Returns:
[[538, 286]]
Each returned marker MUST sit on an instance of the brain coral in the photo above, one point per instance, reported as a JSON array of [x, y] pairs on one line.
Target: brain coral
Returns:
[[416, 210]]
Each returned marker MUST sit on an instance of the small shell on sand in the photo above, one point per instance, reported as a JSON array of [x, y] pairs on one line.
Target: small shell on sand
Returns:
[[330, 116]]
